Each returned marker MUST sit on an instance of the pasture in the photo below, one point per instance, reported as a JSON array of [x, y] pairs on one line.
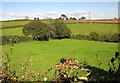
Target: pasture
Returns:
[[79, 28], [86, 28], [10, 24], [12, 31], [46, 54]]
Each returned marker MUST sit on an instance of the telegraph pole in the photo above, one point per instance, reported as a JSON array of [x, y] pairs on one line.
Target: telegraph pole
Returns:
[[89, 15]]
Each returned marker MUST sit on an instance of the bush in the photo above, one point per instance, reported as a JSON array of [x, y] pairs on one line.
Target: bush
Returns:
[[14, 39], [38, 30], [9, 39], [43, 31], [115, 37], [60, 29], [108, 37], [94, 36]]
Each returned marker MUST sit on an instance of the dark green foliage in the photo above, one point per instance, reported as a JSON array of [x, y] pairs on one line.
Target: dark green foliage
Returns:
[[38, 30], [70, 18], [43, 31], [83, 18], [116, 54], [14, 39], [112, 75], [94, 36], [9, 39], [62, 60], [74, 18], [108, 37], [61, 30], [113, 62], [115, 37]]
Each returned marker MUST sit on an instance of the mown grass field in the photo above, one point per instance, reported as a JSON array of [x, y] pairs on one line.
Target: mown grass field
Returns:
[[47, 53]]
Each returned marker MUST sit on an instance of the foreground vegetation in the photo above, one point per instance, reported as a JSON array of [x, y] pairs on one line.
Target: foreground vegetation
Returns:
[[68, 70]]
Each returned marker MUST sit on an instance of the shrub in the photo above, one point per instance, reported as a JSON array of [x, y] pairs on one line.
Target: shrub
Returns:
[[38, 30], [115, 37], [108, 37], [61, 30], [14, 39], [94, 36], [71, 70]]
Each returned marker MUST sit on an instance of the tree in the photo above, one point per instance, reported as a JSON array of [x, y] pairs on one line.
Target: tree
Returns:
[[70, 18], [64, 17], [74, 18], [35, 18], [38, 30], [79, 19], [61, 30], [83, 18]]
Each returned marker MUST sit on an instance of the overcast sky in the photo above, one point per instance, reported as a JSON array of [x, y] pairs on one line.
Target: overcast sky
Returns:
[[97, 10]]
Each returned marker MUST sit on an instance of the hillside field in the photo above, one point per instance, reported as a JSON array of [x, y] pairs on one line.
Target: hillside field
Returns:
[[46, 54]]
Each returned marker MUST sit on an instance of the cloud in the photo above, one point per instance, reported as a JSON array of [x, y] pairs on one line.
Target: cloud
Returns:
[[78, 13], [104, 16], [57, 14]]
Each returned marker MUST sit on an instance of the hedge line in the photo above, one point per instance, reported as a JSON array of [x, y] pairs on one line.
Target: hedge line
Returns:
[[107, 37]]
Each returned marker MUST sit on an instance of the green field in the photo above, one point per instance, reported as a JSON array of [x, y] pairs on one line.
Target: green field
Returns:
[[86, 28], [12, 31], [13, 23], [47, 54]]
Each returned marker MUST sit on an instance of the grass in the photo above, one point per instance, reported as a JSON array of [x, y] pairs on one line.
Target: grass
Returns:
[[86, 28], [46, 54], [13, 23], [12, 31]]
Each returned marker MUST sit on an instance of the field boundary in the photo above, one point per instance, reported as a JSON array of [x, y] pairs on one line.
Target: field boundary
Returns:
[[111, 21], [11, 27]]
